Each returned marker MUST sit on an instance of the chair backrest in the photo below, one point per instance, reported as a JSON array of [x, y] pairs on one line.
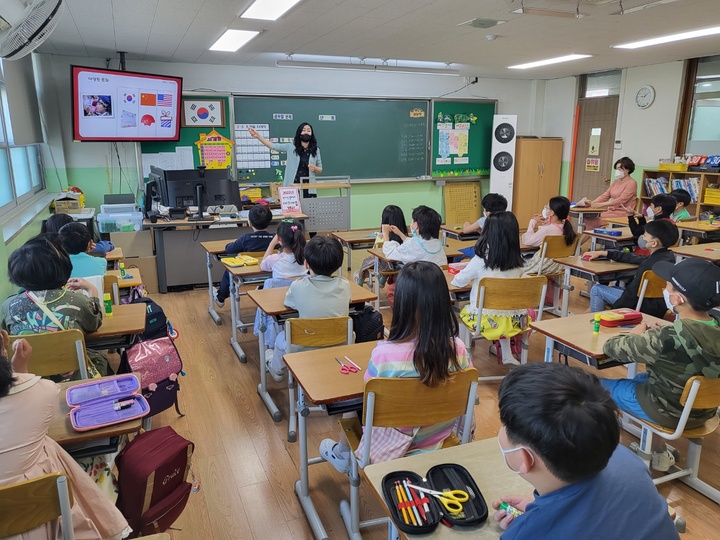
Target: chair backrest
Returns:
[[27, 505], [554, 247], [651, 286], [320, 332], [56, 352], [405, 401], [111, 286], [707, 395], [511, 293]]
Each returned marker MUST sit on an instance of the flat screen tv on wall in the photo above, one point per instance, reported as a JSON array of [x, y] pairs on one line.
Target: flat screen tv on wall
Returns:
[[110, 105]]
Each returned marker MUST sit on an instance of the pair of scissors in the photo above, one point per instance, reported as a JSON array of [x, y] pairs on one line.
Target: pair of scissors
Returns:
[[451, 499], [344, 368]]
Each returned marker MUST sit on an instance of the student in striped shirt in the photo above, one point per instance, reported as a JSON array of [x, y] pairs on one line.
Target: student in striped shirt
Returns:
[[422, 343]]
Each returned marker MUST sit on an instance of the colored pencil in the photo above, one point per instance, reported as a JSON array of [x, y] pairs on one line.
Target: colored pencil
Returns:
[[398, 494], [416, 500], [353, 363], [404, 497]]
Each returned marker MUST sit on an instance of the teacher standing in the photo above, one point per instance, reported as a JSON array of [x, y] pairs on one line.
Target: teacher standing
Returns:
[[303, 156]]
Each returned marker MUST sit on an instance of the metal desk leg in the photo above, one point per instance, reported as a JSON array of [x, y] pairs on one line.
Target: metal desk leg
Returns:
[[565, 311], [581, 227], [211, 305], [593, 243], [377, 283], [161, 266], [349, 256], [235, 316], [262, 387], [444, 237], [302, 487], [549, 349]]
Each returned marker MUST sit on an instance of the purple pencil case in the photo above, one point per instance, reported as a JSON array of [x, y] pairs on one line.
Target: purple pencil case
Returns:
[[104, 402]]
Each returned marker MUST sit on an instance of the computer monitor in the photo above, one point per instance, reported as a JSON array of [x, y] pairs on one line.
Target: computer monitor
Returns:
[[155, 189], [216, 186]]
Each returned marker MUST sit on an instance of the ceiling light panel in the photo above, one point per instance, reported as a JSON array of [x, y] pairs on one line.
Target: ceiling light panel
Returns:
[[232, 40], [550, 61], [704, 32], [268, 10]]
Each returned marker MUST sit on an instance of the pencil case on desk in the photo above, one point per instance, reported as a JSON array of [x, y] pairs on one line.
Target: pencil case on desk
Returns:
[[620, 317], [93, 404], [448, 476], [240, 260], [607, 232]]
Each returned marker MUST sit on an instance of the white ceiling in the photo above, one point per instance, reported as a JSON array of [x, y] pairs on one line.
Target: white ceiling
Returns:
[[183, 30]]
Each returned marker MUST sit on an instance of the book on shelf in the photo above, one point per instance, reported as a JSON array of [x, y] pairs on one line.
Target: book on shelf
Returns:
[[656, 186], [691, 185]]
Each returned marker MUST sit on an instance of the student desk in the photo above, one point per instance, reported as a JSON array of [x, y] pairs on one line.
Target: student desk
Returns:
[[483, 461], [455, 232], [709, 252], [117, 330], [132, 278], [597, 271], [114, 257], [626, 238], [178, 249], [581, 212], [272, 302], [213, 250], [240, 275], [61, 431], [358, 239], [617, 221], [703, 229], [573, 336], [320, 382], [379, 255]]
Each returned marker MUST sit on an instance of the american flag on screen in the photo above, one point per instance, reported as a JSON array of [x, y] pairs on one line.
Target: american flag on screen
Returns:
[[164, 100]]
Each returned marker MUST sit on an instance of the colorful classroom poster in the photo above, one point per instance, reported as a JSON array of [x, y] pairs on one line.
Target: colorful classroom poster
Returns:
[[215, 150], [289, 200]]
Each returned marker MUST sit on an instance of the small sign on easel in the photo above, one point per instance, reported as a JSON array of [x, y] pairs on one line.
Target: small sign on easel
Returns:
[[289, 200]]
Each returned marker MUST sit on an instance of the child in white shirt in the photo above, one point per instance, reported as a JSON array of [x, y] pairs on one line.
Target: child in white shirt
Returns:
[[290, 261]]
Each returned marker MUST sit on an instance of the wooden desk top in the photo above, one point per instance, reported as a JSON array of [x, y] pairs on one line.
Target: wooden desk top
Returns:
[[700, 226], [709, 252], [61, 431], [449, 253], [456, 230], [211, 220], [126, 283], [449, 277], [358, 236], [483, 461], [115, 255], [625, 235], [623, 221], [215, 247], [598, 268], [576, 332], [271, 301], [241, 271], [126, 319], [319, 374], [457, 245], [586, 210]]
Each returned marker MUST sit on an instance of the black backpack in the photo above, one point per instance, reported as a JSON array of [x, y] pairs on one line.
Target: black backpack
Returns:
[[368, 325], [156, 323]]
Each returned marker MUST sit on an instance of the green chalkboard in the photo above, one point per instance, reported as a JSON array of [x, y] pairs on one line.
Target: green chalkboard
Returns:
[[190, 135], [360, 138], [462, 137]]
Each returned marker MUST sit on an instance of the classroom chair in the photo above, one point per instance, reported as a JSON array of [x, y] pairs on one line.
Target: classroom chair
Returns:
[[507, 294], [651, 286], [554, 247], [315, 334], [54, 353], [33, 503], [699, 393], [400, 402], [110, 286]]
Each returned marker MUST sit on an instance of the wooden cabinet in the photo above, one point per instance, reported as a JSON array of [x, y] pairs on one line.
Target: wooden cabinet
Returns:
[[704, 188], [537, 175]]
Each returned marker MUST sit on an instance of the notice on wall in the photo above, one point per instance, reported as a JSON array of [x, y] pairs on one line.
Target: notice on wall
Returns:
[[289, 200], [592, 164], [594, 144]]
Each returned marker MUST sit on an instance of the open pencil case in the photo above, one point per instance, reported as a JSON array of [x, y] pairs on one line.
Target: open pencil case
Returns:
[[104, 402], [447, 476]]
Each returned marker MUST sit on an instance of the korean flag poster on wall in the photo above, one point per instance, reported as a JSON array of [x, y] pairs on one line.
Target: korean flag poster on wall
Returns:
[[203, 113]]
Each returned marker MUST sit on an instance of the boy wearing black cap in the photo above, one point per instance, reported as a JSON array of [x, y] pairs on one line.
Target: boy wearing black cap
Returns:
[[671, 353]]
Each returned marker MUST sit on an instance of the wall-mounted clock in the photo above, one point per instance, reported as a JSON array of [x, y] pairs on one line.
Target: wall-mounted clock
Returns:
[[645, 96]]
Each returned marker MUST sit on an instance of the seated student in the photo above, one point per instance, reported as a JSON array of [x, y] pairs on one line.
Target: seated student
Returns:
[[391, 215], [314, 296], [497, 254], [492, 202], [657, 238], [289, 263], [54, 223], [423, 343], [661, 207], [683, 198], [423, 245], [553, 222], [77, 242], [259, 217], [671, 353], [560, 433], [41, 268], [27, 403]]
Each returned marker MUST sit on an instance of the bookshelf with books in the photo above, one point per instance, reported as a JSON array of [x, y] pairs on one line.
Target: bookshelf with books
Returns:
[[701, 186]]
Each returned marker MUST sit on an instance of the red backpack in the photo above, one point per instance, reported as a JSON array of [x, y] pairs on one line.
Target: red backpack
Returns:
[[152, 480]]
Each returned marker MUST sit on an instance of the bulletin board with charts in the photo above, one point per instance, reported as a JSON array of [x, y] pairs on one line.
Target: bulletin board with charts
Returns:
[[208, 142], [462, 202], [461, 137]]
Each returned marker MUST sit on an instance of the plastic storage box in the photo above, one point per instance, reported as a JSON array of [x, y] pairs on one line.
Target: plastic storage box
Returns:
[[124, 222], [126, 208]]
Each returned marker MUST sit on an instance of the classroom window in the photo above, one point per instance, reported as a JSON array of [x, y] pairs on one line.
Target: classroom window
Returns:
[[21, 167], [605, 83], [704, 129]]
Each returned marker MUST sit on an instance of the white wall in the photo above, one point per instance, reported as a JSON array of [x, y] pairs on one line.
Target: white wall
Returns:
[[559, 112]]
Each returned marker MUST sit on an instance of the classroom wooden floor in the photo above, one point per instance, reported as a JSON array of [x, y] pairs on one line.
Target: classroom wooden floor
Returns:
[[247, 468]]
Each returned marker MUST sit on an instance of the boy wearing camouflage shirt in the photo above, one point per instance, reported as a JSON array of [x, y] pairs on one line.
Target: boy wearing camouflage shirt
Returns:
[[672, 353]]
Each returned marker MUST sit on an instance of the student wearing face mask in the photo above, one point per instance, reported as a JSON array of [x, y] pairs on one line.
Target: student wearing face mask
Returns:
[[661, 206], [303, 156], [655, 240], [622, 192], [560, 433], [671, 354]]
